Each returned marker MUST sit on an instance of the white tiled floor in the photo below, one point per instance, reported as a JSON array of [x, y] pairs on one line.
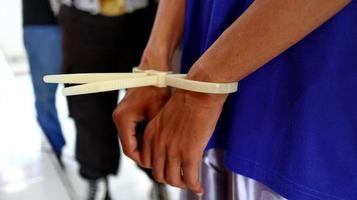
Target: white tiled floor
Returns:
[[28, 169]]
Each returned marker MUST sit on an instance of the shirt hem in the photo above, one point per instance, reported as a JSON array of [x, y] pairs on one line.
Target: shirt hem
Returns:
[[278, 183]]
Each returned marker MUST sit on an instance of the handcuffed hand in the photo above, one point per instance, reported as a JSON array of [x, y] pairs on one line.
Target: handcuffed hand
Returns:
[[175, 139], [138, 105]]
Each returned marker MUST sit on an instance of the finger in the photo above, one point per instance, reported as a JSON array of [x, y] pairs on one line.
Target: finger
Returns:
[[191, 178], [126, 131], [146, 150], [173, 175], [158, 164]]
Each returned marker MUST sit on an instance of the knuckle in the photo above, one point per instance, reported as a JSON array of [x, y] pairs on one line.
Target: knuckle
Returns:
[[190, 160], [158, 177], [172, 153], [117, 113], [191, 183], [126, 151], [158, 156], [170, 180]]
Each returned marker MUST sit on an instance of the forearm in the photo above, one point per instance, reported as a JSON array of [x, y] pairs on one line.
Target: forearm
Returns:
[[265, 30], [165, 35]]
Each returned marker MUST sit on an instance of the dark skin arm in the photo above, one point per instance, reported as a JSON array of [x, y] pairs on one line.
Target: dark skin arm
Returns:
[[175, 138], [142, 104]]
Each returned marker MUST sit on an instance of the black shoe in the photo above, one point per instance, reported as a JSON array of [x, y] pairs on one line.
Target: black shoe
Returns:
[[59, 160], [96, 190], [159, 192], [93, 188], [107, 192]]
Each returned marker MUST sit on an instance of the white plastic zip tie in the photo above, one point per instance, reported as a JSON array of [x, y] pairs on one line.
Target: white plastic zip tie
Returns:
[[102, 82]]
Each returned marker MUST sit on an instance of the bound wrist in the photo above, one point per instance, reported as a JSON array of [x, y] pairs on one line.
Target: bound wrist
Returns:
[[204, 99], [158, 59], [201, 71]]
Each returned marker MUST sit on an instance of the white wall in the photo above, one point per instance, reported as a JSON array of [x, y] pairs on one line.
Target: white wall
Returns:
[[11, 42]]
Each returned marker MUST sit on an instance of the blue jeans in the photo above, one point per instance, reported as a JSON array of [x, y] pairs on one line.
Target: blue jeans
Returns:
[[43, 46]]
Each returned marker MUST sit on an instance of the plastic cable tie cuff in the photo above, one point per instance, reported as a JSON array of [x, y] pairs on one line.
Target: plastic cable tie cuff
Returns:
[[102, 82]]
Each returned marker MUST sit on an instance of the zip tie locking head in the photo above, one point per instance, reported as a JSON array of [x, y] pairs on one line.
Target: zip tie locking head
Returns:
[[161, 75]]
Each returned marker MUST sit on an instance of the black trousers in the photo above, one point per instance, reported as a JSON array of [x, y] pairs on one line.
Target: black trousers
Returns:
[[100, 44]]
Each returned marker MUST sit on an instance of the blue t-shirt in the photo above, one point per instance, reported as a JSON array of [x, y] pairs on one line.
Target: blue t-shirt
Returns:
[[293, 123]]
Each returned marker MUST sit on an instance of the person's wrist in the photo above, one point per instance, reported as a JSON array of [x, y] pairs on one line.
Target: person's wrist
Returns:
[[211, 69], [205, 72], [157, 59], [204, 99], [200, 73]]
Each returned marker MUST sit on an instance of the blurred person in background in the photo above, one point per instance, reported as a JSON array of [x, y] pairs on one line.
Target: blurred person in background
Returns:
[[42, 38], [102, 36]]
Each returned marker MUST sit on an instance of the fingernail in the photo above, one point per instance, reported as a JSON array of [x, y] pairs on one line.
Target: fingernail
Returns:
[[199, 194]]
